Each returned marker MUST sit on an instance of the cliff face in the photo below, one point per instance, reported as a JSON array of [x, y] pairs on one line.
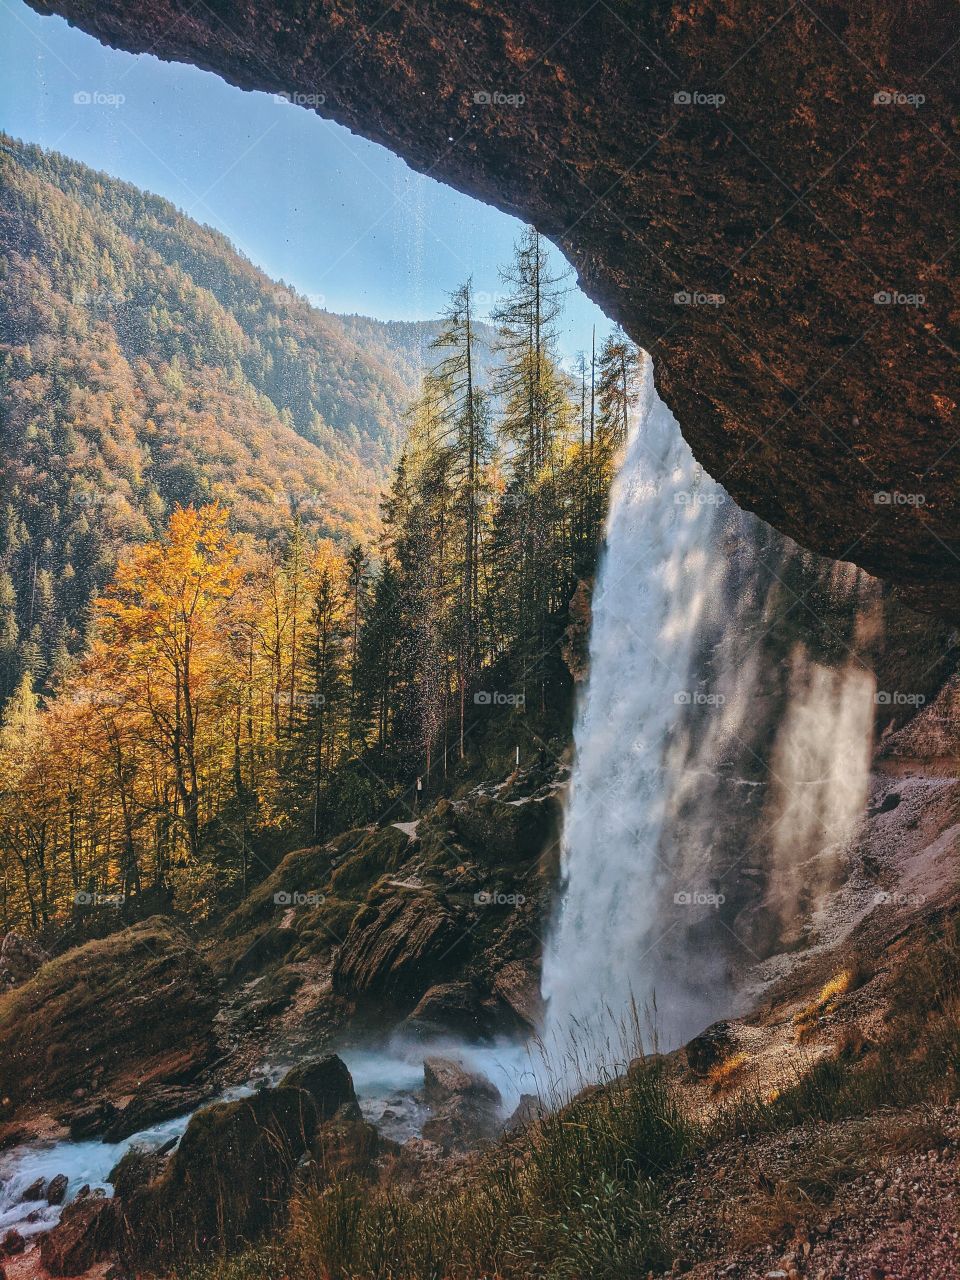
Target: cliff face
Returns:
[[746, 186]]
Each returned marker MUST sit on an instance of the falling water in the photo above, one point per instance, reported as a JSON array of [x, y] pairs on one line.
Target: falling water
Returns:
[[722, 751], [652, 586]]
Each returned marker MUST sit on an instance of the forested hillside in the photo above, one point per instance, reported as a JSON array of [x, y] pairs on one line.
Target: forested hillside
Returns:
[[144, 363], [258, 669]]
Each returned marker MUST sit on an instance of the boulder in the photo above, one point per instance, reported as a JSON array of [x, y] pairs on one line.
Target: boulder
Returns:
[[12, 1243], [465, 1105], [399, 944], [152, 1105], [444, 1078], [329, 1084], [451, 1007], [57, 1189], [712, 1046], [86, 1234], [34, 1191], [227, 1182], [139, 1003], [20, 958]]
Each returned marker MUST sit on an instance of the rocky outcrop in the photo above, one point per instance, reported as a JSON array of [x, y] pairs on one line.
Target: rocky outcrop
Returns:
[[518, 985], [85, 1234], [762, 195], [497, 833], [401, 942], [152, 1105], [137, 1006]]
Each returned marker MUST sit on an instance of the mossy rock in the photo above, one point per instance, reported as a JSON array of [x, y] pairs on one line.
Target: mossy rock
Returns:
[[138, 1006], [379, 853]]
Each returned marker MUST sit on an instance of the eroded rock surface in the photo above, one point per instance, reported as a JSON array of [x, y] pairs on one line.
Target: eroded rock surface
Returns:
[[798, 162]]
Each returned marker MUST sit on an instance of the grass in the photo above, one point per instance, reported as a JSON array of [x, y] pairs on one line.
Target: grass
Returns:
[[728, 1073]]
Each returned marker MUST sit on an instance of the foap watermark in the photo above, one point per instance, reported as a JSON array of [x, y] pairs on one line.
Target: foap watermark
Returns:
[[695, 698], [695, 98], [301, 99], [495, 698], [695, 299], [896, 698], [694, 498], [894, 498], [82, 899], [884, 899], [297, 699], [497, 98], [98, 98], [894, 98], [698, 898], [286, 898], [893, 298], [96, 698], [492, 898], [98, 298]]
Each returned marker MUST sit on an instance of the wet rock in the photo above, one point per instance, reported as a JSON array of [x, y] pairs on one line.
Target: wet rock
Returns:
[[465, 1105], [34, 1191], [152, 1105], [138, 1000], [12, 1243], [518, 985], [444, 1078], [228, 1180], [93, 1121], [57, 1189], [452, 1007], [399, 944], [714, 1045], [329, 1083], [86, 1234]]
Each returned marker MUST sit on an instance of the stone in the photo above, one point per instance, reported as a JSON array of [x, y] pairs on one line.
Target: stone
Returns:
[[329, 1083], [20, 958], [12, 1243], [711, 1047], [517, 984], [57, 1189], [86, 1234], [227, 1182], [34, 1191]]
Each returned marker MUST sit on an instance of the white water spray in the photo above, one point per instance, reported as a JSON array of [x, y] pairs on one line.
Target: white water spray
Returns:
[[718, 759], [652, 587]]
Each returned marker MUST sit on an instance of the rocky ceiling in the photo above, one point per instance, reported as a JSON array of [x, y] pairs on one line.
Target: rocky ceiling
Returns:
[[764, 194]]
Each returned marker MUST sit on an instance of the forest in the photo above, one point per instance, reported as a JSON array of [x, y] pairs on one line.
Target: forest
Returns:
[[249, 674]]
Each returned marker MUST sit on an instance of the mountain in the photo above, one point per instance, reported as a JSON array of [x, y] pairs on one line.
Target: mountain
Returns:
[[144, 362]]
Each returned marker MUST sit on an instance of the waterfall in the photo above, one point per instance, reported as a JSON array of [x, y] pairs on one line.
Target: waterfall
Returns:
[[687, 854]]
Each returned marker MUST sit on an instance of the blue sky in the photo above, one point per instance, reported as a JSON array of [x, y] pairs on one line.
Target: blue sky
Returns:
[[342, 219]]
